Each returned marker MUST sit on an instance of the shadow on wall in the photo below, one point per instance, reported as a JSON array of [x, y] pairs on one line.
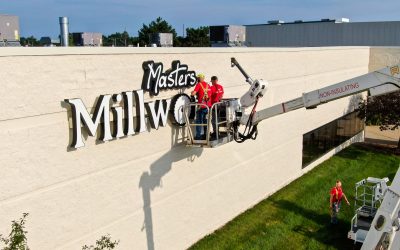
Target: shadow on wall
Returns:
[[153, 178]]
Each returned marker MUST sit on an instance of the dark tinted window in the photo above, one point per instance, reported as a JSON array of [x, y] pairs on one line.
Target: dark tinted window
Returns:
[[319, 141]]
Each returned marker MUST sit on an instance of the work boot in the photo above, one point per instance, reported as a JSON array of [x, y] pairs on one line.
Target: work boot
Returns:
[[213, 136]]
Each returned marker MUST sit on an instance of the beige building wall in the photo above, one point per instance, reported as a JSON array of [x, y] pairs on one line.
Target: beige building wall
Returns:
[[383, 56], [149, 190]]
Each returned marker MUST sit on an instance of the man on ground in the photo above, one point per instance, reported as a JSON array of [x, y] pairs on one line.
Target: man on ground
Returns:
[[335, 201]]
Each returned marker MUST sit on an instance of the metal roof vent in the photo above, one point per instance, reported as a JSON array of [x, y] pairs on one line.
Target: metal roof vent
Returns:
[[64, 33]]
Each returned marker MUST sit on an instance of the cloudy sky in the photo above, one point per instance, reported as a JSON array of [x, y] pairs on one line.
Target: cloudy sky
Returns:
[[40, 17]]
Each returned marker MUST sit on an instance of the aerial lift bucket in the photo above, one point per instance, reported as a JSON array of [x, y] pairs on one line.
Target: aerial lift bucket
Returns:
[[216, 120]]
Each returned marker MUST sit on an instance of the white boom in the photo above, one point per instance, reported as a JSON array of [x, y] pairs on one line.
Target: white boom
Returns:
[[384, 232], [379, 82]]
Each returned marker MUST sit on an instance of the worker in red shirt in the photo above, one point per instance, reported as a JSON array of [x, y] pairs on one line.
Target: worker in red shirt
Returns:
[[335, 201], [217, 92], [203, 92]]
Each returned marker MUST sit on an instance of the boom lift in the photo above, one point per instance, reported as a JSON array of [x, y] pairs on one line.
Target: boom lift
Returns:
[[369, 195], [384, 231], [229, 114], [377, 227]]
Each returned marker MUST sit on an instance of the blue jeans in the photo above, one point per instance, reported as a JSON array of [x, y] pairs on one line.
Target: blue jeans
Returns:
[[214, 121], [201, 118], [335, 211]]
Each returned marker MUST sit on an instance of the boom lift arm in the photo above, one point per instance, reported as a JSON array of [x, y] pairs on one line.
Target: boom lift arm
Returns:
[[379, 82], [384, 231]]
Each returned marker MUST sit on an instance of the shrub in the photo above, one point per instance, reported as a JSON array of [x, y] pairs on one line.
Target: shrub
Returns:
[[16, 240], [104, 243]]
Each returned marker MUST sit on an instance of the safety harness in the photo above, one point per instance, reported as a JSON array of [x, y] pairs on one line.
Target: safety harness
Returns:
[[205, 96]]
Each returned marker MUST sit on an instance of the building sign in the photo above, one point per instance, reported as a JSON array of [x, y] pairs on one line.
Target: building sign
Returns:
[[175, 78], [122, 106]]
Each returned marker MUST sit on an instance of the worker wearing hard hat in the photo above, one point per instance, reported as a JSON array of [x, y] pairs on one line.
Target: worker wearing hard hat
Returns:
[[203, 92]]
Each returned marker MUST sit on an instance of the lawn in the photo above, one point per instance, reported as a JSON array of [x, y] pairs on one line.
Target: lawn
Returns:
[[297, 216]]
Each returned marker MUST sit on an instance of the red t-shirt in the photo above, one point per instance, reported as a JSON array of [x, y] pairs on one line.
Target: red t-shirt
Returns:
[[200, 89], [337, 194], [217, 93]]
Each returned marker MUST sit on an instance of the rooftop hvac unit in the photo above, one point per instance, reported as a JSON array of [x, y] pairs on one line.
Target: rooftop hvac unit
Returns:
[[342, 20], [276, 22]]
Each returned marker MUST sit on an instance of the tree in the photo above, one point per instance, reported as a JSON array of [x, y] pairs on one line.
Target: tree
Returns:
[[70, 40], [119, 40], [157, 26], [29, 41], [384, 111], [180, 42], [197, 37]]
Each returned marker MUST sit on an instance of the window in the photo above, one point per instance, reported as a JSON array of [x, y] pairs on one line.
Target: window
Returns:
[[319, 141]]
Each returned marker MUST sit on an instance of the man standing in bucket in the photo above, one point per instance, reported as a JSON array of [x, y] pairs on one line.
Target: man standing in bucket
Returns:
[[203, 92], [217, 92], [336, 200]]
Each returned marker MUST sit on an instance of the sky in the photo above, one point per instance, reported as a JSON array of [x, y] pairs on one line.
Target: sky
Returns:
[[40, 17]]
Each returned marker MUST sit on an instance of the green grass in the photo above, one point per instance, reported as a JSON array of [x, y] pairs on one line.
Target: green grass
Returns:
[[297, 216]]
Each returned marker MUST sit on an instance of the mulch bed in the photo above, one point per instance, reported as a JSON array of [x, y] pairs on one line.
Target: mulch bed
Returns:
[[379, 147]]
